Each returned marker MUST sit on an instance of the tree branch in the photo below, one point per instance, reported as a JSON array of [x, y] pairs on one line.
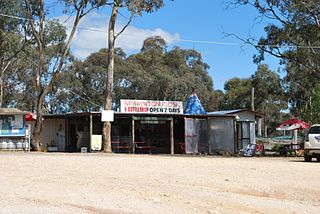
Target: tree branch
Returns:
[[124, 27]]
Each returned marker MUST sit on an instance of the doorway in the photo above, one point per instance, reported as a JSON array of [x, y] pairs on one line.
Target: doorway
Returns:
[[245, 134], [153, 134], [73, 138]]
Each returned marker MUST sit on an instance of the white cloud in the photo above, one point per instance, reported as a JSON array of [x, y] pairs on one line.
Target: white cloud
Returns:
[[92, 35]]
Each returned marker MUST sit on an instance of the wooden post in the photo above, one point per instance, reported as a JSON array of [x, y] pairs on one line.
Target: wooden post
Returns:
[[133, 143], [66, 135], [90, 132], [259, 127], [295, 139], [171, 137], [265, 131], [208, 136], [252, 99], [235, 136]]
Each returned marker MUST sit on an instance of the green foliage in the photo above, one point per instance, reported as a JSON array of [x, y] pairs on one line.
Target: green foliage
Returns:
[[13, 56], [311, 111], [166, 75], [294, 37], [139, 6], [217, 100], [237, 93], [269, 94]]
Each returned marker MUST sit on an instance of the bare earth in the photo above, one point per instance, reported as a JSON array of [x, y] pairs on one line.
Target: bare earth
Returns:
[[117, 183]]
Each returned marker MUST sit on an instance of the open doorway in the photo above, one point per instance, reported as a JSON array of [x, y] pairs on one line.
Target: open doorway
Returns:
[[153, 136], [72, 147], [78, 132], [245, 134]]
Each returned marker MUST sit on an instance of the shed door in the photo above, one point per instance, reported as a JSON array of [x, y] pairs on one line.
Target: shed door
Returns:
[[191, 138], [246, 134]]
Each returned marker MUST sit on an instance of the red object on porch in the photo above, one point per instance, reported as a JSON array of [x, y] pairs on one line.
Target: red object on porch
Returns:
[[293, 124], [31, 117]]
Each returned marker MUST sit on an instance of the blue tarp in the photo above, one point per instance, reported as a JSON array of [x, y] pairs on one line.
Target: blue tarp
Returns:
[[194, 105]]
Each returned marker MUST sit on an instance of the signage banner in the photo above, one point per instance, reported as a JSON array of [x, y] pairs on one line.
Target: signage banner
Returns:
[[151, 107], [12, 125]]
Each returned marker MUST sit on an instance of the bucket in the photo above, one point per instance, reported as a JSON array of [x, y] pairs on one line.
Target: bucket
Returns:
[[4, 145], [84, 149], [11, 145], [19, 145]]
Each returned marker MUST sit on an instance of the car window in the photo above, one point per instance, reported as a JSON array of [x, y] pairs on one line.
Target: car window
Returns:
[[314, 130]]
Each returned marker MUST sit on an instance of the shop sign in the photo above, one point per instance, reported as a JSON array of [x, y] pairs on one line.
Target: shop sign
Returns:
[[152, 118], [151, 107], [107, 115]]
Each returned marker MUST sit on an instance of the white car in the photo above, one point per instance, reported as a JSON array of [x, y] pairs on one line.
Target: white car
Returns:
[[312, 144]]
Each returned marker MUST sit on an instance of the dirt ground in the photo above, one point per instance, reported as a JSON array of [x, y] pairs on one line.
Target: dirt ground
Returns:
[[119, 183]]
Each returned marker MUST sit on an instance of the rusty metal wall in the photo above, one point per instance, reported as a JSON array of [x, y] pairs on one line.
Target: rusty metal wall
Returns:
[[191, 138], [196, 140]]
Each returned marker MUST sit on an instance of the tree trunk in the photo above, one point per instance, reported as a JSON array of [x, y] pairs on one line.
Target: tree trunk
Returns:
[[1, 91], [1, 66], [106, 131], [38, 125]]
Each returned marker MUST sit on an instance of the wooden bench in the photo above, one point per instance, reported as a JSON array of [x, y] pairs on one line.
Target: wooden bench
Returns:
[[144, 147], [117, 146]]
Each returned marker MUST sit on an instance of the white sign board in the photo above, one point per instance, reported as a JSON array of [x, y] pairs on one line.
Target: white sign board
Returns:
[[107, 116], [151, 107], [96, 142]]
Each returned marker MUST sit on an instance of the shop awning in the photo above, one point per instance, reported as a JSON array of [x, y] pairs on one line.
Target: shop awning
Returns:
[[293, 124]]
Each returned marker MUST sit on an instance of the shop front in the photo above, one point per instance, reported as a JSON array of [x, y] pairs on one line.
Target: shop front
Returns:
[[145, 126], [14, 135], [158, 127]]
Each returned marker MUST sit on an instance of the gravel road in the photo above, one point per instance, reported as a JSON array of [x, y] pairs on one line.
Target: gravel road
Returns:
[[123, 183]]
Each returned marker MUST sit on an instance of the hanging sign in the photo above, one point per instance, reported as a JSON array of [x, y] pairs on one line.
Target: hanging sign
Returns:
[[107, 116], [151, 107]]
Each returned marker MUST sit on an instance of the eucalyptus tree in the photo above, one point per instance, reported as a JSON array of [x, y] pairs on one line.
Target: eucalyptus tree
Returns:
[[135, 7], [217, 100], [311, 111], [13, 47], [270, 97], [293, 36], [85, 81], [190, 73], [171, 74], [237, 93], [166, 75], [53, 46]]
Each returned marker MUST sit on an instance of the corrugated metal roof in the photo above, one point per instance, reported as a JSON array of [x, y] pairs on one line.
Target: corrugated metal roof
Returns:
[[235, 111], [12, 111]]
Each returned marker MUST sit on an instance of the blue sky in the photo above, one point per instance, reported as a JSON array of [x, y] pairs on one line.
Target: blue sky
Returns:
[[179, 20]]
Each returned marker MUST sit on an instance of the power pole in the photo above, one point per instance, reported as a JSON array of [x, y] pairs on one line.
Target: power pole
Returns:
[[252, 99]]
